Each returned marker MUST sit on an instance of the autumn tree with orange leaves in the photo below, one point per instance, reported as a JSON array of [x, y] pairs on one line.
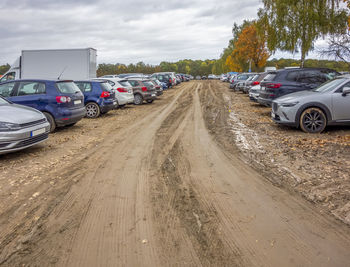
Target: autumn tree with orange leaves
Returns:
[[250, 46]]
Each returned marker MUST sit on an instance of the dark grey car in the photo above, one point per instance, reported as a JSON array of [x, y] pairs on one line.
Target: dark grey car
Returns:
[[21, 127], [312, 111]]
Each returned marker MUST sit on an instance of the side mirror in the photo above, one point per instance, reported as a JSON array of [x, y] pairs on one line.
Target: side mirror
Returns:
[[346, 91]]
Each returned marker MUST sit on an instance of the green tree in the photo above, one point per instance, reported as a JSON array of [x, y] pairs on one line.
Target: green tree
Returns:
[[4, 68], [294, 25]]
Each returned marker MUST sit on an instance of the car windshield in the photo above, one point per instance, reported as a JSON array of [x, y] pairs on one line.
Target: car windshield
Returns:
[[330, 85], [3, 101], [67, 87]]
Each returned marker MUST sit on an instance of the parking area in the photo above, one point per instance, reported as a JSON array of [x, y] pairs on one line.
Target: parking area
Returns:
[[313, 165]]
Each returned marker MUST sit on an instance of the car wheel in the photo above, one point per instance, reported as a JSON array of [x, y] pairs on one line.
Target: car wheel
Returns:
[[313, 120], [149, 101], [92, 110], [138, 99], [51, 121]]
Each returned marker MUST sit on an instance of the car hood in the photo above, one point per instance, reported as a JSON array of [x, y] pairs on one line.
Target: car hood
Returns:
[[19, 114], [296, 96]]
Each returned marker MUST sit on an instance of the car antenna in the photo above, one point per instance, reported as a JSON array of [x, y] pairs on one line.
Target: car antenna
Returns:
[[62, 72]]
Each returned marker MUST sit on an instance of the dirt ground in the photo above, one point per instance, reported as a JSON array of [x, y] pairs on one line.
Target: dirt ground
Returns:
[[194, 179], [317, 166]]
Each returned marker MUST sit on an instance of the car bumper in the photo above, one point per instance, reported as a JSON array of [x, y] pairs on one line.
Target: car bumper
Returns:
[[126, 98], [70, 116], [265, 102], [150, 96], [284, 115], [17, 140]]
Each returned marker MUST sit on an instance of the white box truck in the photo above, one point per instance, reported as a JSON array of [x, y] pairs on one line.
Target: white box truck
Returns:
[[53, 64]]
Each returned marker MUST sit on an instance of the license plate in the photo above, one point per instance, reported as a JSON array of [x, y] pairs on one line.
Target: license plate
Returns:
[[77, 102], [273, 115], [114, 103], [37, 132]]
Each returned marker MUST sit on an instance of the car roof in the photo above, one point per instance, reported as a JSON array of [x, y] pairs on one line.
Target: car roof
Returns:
[[38, 80], [91, 80]]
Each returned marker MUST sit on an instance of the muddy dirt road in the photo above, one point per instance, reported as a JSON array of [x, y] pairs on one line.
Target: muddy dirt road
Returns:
[[157, 188]]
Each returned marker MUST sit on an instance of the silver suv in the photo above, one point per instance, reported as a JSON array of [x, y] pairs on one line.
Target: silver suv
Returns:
[[312, 111]]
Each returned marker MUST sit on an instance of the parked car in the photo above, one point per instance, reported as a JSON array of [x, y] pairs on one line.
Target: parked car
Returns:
[[313, 110], [98, 97], [21, 127], [198, 77], [171, 75], [211, 77], [254, 93], [204, 77], [144, 90], [240, 78], [253, 81], [61, 101], [122, 90], [286, 81], [163, 77], [241, 83], [158, 85]]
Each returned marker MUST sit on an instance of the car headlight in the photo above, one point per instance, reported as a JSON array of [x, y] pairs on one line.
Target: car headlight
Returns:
[[287, 105], [7, 126]]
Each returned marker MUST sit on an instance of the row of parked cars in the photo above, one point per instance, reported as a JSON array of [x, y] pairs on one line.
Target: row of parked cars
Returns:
[[30, 109], [306, 98]]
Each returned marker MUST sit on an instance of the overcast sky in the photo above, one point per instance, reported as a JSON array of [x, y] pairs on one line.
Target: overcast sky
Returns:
[[123, 31]]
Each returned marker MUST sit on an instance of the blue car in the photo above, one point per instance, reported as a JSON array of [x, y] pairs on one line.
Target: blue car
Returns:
[[61, 101], [99, 97]]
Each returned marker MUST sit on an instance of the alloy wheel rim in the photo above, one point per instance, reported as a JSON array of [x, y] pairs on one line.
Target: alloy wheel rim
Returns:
[[313, 121], [91, 110]]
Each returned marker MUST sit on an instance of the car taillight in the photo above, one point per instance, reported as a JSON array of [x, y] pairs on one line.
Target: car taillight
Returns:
[[170, 80], [63, 99], [105, 94], [144, 89], [273, 85], [255, 83], [122, 90]]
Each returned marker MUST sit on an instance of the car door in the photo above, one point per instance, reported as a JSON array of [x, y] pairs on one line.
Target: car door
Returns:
[[341, 104], [31, 94], [86, 89]]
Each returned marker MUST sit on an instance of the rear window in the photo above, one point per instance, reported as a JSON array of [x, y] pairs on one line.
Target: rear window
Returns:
[[125, 83], [270, 77], [67, 87], [106, 87], [148, 83]]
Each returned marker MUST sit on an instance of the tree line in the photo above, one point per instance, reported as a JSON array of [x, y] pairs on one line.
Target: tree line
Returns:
[[292, 26]]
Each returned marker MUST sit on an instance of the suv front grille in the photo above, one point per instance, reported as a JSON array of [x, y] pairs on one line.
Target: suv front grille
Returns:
[[32, 123], [274, 107]]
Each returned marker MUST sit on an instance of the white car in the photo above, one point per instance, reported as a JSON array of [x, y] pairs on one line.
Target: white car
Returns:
[[122, 88]]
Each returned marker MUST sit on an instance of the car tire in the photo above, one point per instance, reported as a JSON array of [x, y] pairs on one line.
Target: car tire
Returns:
[[313, 120], [92, 110], [149, 101], [51, 121], [138, 99]]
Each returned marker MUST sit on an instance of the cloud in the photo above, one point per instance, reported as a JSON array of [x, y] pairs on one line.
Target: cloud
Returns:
[[122, 31]]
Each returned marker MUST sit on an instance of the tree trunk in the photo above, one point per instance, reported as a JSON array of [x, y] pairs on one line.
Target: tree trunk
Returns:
[[302, 61]]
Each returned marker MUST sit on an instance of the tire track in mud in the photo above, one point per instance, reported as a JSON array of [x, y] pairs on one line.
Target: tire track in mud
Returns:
[[193, 223]]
